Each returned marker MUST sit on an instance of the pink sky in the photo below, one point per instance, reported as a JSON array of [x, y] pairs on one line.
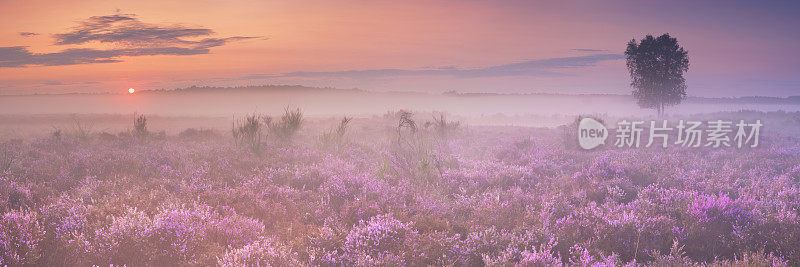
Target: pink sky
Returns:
[[433, 46]]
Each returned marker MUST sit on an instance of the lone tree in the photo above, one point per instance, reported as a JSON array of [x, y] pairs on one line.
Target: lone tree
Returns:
[[657, 66]]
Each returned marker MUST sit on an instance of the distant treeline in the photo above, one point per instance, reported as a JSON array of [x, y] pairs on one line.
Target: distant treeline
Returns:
[[691, 99], [301, 88]]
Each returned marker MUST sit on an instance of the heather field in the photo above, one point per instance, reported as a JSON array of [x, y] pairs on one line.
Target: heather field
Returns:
[[393, 190]]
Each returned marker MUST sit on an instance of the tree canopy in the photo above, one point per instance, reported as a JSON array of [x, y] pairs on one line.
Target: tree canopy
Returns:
[[656, 66]]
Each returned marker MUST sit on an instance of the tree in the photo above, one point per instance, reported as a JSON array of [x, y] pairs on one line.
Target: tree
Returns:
[[656, 66]]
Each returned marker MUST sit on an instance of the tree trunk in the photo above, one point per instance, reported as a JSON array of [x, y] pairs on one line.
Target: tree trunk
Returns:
[[658, 109]]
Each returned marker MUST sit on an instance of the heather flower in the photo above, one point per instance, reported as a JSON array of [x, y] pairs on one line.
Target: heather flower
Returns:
[[382, 237], [514, 198], [67, 226], [719, 226], [124, 241], [178, 232], [13, 195], [263, 252], [233, 230], [20, 235], [325, 246], [539, 258]]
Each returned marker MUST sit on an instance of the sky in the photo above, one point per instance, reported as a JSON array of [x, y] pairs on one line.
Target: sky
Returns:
[[736, 48]]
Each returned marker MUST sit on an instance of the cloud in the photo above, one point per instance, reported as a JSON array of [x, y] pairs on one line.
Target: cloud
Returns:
[[132, 37], [589, 50], [19, 56], [539, 67], [28, 34], [128, 30], [59, 83]]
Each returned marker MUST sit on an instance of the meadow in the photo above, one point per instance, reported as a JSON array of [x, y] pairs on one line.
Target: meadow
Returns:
[[398, 189]]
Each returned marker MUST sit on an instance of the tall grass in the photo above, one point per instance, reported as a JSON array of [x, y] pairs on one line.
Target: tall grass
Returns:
[[335, 138], [288, 126], [140, 126], [405, 123], [414, 155], [80, 130], [9, 151], [248, 132], [444, 130]]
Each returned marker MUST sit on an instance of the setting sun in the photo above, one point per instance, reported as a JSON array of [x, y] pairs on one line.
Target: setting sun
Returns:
[[131, 90]]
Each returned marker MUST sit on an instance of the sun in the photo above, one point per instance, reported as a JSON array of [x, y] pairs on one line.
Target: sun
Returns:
[[131, 90]]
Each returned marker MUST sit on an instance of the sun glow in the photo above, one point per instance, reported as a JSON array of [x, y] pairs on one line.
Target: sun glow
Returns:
[[131, 90]]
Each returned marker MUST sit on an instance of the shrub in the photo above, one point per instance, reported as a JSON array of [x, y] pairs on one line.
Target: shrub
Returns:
[[13, 195], [444, 130], [405, 123], [676, 257], [264, 252], [20, 235], [382, 238], [233, 230], [178, 234], [9, 153], [140, 126], [67, 228], [752, 259], [125, 240], [80, 130], [248, 132], [539, 257], [335, 137], [288, 126], [325, 246], [718, 227]]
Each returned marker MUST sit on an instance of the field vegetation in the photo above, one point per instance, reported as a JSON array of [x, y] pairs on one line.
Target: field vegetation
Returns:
[[398, 189]]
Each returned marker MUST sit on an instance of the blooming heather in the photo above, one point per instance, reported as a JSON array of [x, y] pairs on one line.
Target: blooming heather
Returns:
[[480, 196]]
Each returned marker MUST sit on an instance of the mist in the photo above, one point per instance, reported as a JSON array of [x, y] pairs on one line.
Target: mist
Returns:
[[321, 102]]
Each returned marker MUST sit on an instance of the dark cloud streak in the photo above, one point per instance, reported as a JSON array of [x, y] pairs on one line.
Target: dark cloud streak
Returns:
[[134, 38], [589, 50], [539, 67], [128, 30], [19, 56], [28, 34], [59, 83]]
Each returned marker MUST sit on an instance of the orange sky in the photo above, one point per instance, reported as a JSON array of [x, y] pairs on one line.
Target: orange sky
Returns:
[[728, 48]]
